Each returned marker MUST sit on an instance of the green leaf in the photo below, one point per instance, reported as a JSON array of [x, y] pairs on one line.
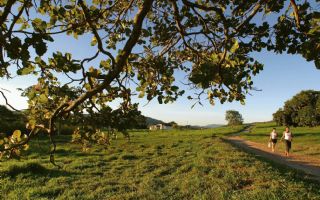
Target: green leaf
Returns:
[[41, 48], [68, 6], [75, 35], [141, 94], [94, 41], [242, 102], [235, 46], [16, 135], [105, 64], [43, 98], [26, 70], [68, 56], [25, 147], [160, 99], [39, 25]]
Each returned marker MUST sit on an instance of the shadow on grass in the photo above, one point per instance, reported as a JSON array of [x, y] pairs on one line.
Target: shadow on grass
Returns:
[[33, 169], [129, 157]]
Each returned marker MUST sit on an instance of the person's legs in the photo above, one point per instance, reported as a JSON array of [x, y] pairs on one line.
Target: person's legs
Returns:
[[287, 148], [274, 142], [272, 146]]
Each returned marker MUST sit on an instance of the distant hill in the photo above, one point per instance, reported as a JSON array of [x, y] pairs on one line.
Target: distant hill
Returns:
[[213, 125], [152, 121]]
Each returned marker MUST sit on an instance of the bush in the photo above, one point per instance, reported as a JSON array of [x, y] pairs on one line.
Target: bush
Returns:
[[302, 110]]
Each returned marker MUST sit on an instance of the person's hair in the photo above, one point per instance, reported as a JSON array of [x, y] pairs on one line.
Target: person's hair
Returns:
[[274, 128]]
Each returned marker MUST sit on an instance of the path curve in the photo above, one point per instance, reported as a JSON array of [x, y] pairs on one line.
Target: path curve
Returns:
[[309, 165]]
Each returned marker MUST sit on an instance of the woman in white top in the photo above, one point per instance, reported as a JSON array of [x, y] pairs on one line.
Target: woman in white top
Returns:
[[273, 139], [287, 136]]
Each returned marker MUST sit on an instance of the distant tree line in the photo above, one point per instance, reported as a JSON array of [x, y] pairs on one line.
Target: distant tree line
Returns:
[[302, 110]]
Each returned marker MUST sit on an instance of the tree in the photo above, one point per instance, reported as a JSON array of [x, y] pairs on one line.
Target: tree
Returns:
[[234, 117], [301, 110], [279, 117], [173, 124], [139, 47]]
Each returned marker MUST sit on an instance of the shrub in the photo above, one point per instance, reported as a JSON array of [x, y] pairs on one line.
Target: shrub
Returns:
[[302, 110]]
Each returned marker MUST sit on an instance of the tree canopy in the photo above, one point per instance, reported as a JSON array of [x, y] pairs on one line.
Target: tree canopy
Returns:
[[234, 117], [302, 110], [140, 45]]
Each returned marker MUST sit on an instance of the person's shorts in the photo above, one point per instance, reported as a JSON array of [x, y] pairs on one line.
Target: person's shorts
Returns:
[[274, 141], [288, 145]]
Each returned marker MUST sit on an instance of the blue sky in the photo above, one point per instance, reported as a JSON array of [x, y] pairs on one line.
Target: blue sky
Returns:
[[283, 76]]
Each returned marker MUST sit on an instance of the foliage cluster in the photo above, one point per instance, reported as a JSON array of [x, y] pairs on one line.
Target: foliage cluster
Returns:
[[302, 110], [13, 142]]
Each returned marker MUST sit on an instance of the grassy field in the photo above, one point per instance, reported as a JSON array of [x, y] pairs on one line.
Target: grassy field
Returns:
[[155, 165], [306, 140]]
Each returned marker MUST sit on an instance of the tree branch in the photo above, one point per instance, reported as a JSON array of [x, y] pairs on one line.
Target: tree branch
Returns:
[[219, 11], [179, 25], [253, 13], [6, 11], [95, 32], [296, 12], [7, 102], [15, 18], [120, 60]]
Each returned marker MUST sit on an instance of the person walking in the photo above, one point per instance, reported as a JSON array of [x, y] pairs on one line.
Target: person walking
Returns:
[[273, 139], [287, 136]]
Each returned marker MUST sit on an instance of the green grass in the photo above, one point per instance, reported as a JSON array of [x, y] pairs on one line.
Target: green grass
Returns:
[[154, 165], [306, 140]]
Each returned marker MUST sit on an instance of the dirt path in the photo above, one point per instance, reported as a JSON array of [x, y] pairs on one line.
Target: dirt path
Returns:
[[308, 165]]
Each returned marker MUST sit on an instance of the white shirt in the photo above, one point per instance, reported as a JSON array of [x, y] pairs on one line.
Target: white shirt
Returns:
[[273, 135], [287, 136]]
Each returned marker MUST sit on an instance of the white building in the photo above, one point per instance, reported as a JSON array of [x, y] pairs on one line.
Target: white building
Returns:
[[159, 127]]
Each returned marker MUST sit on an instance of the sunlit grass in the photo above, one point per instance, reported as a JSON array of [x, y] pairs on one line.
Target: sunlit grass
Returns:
[[154, 165], [306, 140]]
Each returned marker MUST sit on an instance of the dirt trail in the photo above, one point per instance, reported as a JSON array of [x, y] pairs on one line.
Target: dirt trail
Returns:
[[309, 165]]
